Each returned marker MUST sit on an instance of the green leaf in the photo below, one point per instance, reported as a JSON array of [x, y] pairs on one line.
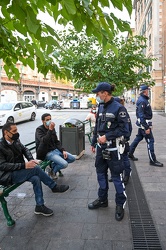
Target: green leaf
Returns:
[[70, 6], [89, 28], [30, 62], [118, 4], [17, 11], [20, 28], [77, 22], [105, 3], [31, 22]]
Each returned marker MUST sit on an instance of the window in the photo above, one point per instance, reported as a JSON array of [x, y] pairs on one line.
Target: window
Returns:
[[149, 14], [143, 28], [150, 40], [26, 105]]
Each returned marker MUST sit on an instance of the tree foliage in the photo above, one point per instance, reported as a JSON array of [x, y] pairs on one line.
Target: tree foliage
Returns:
[[89, 65], [25, 38]]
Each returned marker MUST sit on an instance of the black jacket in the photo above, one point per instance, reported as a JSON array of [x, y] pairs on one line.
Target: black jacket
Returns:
[[46, 141], [11, 159]]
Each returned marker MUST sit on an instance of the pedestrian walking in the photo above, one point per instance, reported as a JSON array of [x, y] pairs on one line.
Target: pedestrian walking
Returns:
[[144, 115]]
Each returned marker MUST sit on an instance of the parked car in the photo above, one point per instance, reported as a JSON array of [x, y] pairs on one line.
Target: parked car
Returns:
[[53, 104], [40, 104], [17, 112]]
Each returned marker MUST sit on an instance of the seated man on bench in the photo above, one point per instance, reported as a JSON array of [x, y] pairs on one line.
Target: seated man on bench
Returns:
[[49, 147], [14, 169]]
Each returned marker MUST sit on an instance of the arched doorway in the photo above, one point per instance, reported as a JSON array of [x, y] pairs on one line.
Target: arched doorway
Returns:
[[28, 96]]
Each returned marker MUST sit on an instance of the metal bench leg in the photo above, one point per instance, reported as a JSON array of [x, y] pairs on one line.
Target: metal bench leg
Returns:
[[10, 221]]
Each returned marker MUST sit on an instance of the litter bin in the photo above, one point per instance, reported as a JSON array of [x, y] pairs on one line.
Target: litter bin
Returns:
[[75, 104], [72, 137]]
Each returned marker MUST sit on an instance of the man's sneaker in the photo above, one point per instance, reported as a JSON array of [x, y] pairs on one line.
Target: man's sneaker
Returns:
[[119, 213], [60, 174], [60, 188], [50, 173], [43, 210], [156, 163], [132, 157], [53, 175], [126, 179], [98, 203]]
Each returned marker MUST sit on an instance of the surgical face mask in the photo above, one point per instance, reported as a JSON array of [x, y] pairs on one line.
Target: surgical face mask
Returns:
[[48, 123], [94, 111], [99, 100], [14, 136]]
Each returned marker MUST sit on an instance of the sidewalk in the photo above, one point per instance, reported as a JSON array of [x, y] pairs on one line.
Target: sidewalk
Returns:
[[73, 226]]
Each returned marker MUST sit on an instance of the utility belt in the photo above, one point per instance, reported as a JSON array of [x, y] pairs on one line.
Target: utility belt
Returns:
[[117, 144], [139, 125]]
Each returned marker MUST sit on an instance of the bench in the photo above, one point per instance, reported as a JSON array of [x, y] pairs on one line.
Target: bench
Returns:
[[5, 191], [88, 129]]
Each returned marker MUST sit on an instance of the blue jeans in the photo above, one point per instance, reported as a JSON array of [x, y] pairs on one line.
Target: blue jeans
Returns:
[[58, 161], [35, 176]]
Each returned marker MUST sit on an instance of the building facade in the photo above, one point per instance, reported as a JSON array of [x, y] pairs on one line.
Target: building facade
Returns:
[[34, 86], [150, 21]]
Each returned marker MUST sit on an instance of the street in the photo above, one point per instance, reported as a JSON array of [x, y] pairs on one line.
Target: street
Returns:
[[27, 128]]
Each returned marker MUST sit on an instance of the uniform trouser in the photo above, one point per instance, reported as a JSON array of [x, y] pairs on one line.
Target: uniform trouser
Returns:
[[126, 162], [150, 143], [116, 168]]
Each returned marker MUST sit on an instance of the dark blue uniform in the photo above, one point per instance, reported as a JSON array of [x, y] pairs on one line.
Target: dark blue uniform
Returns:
[[144, 116], [112, 122]]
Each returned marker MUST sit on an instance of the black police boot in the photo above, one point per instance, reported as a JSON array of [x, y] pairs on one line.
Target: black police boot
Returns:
[[98, 203], [132, 157], [126, 179], [119, 213], [156, 163]]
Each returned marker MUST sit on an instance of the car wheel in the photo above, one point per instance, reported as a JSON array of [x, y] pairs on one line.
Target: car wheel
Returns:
[[10, 119], [50, 107], [33, 116]]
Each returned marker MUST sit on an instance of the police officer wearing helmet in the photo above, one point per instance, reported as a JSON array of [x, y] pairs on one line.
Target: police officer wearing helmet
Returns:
[[111, 127], [144, 115]]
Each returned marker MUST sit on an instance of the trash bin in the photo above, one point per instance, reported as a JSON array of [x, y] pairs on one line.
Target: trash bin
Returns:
[[75, 104], [72, 137]]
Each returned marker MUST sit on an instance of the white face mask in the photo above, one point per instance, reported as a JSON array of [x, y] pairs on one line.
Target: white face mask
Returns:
[[99, 100], [48, 123]]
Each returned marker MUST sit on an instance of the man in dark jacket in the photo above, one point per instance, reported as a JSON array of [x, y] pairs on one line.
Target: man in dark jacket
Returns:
[[14, 169], [144, 115], [49, 147]]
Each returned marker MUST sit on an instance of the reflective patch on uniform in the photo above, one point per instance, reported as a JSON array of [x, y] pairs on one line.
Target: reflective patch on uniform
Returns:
[[111, 115], [122, 114], [108, 124]]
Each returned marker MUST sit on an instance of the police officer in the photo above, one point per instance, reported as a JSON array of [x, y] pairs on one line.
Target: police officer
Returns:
[[111, 126], [125, 158], [144, 115]]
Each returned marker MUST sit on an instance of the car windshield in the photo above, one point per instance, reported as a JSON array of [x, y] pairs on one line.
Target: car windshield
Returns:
[[6, 106]]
